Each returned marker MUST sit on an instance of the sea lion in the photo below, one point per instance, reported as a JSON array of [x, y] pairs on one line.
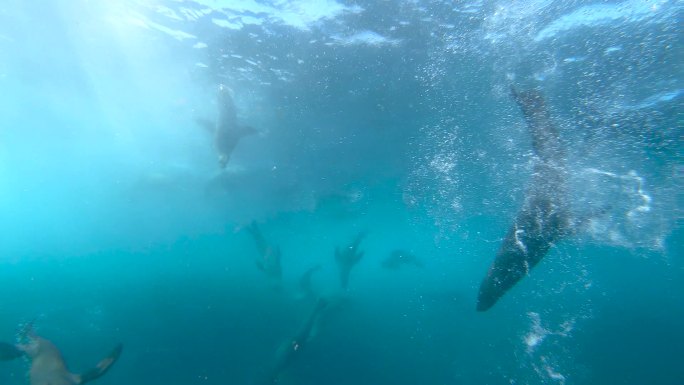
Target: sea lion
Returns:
[[293, 346], [401, 257], [48, 366], [226, 129], [544, 217], [269, 255], [347, 257], [305, 282]]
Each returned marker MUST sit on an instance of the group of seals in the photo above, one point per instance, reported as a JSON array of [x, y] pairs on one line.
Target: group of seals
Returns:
[[543, 219], [269, 260]]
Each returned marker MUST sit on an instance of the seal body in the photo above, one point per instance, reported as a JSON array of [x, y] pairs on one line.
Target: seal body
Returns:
[[347, 257], [47, 364], [544, 217], [269, 255], [227, 132]]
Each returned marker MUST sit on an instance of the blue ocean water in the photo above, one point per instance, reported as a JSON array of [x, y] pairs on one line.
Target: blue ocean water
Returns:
[[392, 119]]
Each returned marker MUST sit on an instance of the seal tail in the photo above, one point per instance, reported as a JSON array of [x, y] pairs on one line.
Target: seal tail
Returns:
[[102, 367], [258, 237], [344, 267], [545, 138], [344, 276], [292, 347], [305, 281], [206, 124], [9, 352], [359, 237]]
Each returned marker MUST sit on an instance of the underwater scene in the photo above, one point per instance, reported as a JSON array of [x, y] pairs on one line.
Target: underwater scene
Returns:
[[341, 192]]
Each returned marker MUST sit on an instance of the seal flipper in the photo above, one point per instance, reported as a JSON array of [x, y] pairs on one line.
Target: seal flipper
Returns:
[[246, 130], [260, 266], [258, 237], [206, 124], [346, 266], [101, 368], [357, 241], [305, 281], [9, 352], [348, 257]]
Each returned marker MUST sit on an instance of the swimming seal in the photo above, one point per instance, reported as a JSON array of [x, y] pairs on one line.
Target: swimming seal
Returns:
[[544, 217], [347, 258], [48, 366], [397, 258], [293, 346], [269, 255], [226, 129]]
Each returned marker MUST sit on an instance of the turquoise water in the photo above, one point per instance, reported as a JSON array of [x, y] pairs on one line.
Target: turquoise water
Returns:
[[393, 119]]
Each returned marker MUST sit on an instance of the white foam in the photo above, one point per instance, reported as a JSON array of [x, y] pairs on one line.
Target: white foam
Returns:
[[638, 189], [518, 233], [168, 12], [472, 7], [301, 14], [193, 14], [236, 6], [249, 20], [601, 14], [443, 164], [174, 33], [645, 198], [534, 339], [552, 373], [227, 24], [632, 220], [574, 59], [537, 333], [610, 50], [141, 21], [659, 98], [369, 38]]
